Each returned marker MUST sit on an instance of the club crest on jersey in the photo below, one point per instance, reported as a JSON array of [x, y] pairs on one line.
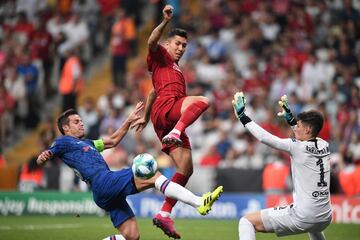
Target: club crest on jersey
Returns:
[[176, 67], [86, 148]]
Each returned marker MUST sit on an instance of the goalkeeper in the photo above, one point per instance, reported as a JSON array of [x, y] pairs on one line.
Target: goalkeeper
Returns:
[[310, 164]]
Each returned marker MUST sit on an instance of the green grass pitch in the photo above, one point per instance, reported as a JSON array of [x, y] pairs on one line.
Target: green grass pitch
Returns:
[[97, 228]]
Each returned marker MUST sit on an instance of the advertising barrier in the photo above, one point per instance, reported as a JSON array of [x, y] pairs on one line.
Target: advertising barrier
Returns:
[[229, 206]]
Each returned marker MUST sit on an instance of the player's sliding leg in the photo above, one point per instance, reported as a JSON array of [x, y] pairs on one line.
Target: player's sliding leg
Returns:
[[317, 236], [193, 108], [246, 229], [173, 190]]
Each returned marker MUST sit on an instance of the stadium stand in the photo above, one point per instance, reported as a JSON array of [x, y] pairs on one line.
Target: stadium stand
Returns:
[[309, 50]]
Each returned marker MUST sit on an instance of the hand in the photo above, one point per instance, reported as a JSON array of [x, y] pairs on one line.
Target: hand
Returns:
[[134, 116], [286, 112], [239, 104], [168, 12], [139, 124], [43, 157]]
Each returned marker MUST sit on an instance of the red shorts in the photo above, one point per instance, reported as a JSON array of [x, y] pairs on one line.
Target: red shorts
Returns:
[[166, 112]]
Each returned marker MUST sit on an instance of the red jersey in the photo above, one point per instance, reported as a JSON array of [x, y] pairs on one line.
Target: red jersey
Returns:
[[169, 84], [167, 77]]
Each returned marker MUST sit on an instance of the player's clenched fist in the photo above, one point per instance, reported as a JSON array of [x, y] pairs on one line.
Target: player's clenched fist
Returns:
[[168, 12], [43, 157], [286, 112], [239, 104]]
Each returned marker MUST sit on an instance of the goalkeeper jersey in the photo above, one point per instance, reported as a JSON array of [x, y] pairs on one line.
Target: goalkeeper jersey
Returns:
[[310, 167]]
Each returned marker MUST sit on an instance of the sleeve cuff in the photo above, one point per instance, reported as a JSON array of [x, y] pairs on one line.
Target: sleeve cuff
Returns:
[[244, 119]]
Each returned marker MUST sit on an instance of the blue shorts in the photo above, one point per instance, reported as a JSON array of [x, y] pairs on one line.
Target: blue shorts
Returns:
[[110, 190]]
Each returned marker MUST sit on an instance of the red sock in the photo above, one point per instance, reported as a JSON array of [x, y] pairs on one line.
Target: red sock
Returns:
[[169, 202], [190, 115]]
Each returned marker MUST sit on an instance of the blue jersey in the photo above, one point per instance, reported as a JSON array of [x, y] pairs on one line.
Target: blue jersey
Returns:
[[81, 155]]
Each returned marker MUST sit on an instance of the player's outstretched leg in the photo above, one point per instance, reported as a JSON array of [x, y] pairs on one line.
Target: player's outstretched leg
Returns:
[[208, 199], [173, 190]]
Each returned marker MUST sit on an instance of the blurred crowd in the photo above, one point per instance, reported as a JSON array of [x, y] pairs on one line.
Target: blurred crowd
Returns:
[[309, 50]]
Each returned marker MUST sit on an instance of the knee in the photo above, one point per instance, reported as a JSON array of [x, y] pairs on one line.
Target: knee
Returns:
[[205, 100], [244, 222]]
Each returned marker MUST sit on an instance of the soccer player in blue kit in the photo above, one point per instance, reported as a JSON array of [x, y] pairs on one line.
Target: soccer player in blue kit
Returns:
[[110, 188]]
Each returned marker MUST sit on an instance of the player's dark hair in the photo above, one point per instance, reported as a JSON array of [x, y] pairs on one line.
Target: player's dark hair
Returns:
[[63, 119], [313, 119], [177, 32]]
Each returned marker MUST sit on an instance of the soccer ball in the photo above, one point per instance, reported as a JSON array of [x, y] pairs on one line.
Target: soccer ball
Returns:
[[144, 166]]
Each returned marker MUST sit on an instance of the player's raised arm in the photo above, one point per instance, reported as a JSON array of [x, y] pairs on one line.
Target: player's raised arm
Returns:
[[258, 132], [119, 134], [157, 32], [286, 112], [141, 123]]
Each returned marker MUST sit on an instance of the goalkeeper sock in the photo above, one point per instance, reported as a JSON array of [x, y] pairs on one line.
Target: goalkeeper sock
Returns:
[[176, 191], [246, 229], [169, 202], [190, 114], [317, 236]]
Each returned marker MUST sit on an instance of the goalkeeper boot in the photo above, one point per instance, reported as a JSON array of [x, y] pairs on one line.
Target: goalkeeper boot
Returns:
[[167, 225], [172, 138], [208, 199]]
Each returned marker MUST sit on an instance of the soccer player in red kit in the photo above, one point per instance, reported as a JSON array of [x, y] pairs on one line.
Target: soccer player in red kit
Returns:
[[171, 111]]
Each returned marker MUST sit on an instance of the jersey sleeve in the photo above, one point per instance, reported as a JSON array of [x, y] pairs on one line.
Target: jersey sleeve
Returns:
[[57, 147], [267, 138], [157, 57]]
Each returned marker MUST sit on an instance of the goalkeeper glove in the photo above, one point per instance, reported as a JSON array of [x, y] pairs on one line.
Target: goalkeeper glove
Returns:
[[239, 104], [286, 112]]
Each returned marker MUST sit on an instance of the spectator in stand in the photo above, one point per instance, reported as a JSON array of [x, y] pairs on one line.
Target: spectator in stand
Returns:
[[123, 32], [275, 177], [31, 176], [30, 73], [81, 39], [347, 175], [41, 49], [71, 79], [211, 158], [15, 86], [90, 116], [23, 28], [112, 98], [2, 158], [6, 117]]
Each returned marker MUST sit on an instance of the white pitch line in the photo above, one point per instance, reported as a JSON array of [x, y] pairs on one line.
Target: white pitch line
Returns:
[[40, 227]]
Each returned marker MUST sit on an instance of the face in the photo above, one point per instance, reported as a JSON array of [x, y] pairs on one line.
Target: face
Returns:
[[302, 132], [176, 47], [75, 128]]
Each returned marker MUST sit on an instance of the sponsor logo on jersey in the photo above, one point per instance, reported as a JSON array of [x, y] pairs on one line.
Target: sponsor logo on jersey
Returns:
[[320, 194], [86, 148], [176, 67]]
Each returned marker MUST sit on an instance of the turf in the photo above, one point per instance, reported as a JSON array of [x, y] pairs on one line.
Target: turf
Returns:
[[72, 227]]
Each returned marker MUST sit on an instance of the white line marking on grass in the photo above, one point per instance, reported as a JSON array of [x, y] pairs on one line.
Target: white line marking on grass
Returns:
[[40, 227]]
